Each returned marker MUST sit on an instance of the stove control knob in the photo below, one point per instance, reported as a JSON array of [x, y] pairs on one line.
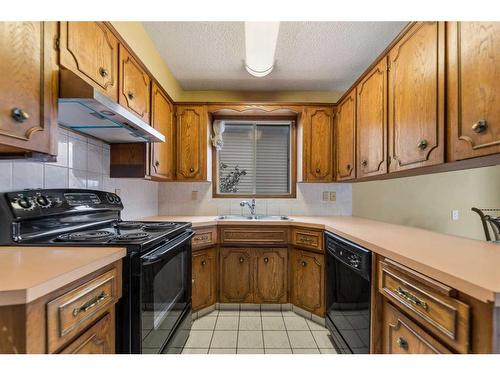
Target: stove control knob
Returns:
[[42, 201], [117, 199], [24, 203], [110, 198]]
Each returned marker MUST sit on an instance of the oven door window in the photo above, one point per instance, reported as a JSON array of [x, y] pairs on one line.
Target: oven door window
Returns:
[[165, 295]]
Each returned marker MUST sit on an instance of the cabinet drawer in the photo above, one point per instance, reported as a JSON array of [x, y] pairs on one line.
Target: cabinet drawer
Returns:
[[311, 239], [402, 336], [72, 312], [428, 301], [98, 339], [204, 237], [254, 235]]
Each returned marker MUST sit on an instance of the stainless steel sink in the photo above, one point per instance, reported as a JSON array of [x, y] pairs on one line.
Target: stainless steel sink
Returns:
[[250, 217]]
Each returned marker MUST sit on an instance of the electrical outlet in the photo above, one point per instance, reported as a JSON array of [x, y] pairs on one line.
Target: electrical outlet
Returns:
[[333, 196], [454, 215], [326, 195], [118, 192]]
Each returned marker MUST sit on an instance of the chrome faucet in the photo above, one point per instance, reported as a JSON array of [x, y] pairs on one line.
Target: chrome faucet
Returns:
[[251, 206]]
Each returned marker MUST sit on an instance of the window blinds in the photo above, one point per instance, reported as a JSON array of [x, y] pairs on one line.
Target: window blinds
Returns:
[[263, 151]]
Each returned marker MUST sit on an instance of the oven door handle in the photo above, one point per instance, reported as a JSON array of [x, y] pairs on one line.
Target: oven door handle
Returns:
[[157, 256]]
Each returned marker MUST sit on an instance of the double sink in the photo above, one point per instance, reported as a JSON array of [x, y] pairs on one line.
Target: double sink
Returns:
[[253, 217]]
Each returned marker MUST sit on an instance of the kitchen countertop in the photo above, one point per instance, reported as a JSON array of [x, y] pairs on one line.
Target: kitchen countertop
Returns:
[[470, 266], [28, 273]]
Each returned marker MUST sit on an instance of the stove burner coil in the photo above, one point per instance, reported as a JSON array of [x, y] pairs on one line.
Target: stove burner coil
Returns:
[[91, 235]]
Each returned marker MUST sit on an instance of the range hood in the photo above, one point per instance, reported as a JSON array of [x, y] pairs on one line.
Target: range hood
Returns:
[[84, 109]]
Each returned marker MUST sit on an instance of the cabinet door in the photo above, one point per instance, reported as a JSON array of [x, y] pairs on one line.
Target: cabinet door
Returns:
[[473, 89], [98, 339], [204, 278], [90, 50], [134, 86], [401, 336], [318, 144], [270, 275], [371, 122], [28, 99], [345, 137], [162, 154], [416, 98], [236, 276], [308, 281], [191, 142]]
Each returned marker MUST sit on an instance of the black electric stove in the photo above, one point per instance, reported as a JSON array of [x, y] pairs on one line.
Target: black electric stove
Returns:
[[154, 314]]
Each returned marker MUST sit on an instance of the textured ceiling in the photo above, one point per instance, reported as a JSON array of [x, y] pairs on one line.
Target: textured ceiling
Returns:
[[312, 56]]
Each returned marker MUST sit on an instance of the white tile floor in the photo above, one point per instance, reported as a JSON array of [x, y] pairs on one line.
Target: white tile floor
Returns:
[[257, 332]]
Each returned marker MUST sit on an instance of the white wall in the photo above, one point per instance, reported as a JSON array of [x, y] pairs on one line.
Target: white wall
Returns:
[[177, 198], [82, 162]]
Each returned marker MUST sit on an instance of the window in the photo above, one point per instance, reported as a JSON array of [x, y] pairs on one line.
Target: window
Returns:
[[255, 159]]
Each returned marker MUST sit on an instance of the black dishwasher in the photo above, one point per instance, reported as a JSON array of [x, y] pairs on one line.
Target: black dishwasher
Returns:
[[348, 271]]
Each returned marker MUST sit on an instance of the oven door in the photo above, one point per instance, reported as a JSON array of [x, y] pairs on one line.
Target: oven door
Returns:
[[165, 291]]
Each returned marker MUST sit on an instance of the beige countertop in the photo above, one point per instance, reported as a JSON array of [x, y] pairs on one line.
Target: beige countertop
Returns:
[[28, 273], [470, 266]]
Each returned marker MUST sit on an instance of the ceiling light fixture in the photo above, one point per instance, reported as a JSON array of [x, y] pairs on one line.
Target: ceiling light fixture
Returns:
[[260, 47]]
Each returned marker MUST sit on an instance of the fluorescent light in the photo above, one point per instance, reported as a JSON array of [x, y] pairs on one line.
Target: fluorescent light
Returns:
[[260, 46]]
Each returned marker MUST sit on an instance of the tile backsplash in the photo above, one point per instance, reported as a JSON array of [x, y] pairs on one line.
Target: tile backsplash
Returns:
[[82, 162], [184, 198]]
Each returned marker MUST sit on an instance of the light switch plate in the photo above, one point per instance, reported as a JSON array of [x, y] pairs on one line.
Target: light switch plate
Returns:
[[455, 215], [326, 195], [333, 196], [194, 195]]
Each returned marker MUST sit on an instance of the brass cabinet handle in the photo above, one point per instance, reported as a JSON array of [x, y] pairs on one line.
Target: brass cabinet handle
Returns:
[[90, 303], [364, 163], [306, 239], [242, 259], [131, 95], [157, 163], [422, 145], [20, 115], [318, 170], [103, 72], [266, 260], [203, 262], [411, 298], [304, 263], [403, 343], [480, 126]]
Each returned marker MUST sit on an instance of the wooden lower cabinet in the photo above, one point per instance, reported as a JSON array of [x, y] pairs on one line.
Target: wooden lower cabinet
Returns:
[[236, 275], [204, 275], [98, 339], [271, 267], [401, 336], [307, 278]]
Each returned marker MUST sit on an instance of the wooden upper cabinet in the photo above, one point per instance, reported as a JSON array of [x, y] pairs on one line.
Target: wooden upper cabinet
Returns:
[[236, 275], [308, 281], [271, 275], [90, 50], [371, 122], [473, 86], [28, 100], [134, 86], [318, 144], [416, 98], [345, 137], [191, 142], [162, 119], [204, 264]]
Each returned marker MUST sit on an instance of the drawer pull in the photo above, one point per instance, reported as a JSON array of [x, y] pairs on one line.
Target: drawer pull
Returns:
[[304, 263], [203, 262], [318, 170], [403, 343], [201, 238], [479, 126], [20, 115], [306, 239], [266, 260], [103, 72], [131, 95], [242, 259], [411, 298], [91, 303], [422, 145]]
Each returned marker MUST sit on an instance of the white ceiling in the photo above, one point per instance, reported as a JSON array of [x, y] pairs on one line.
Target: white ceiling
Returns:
[[310, 56]]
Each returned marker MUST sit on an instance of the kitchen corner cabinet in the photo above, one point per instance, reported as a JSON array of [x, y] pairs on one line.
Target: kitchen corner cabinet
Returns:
[[416, 98], [473, 58], [28, 100], [191, 129], [236, 276], [134, 86], [162, 159], [90, 50], [317, 149], [345, 138], [307, 278], [371, 122], [204, 271]]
